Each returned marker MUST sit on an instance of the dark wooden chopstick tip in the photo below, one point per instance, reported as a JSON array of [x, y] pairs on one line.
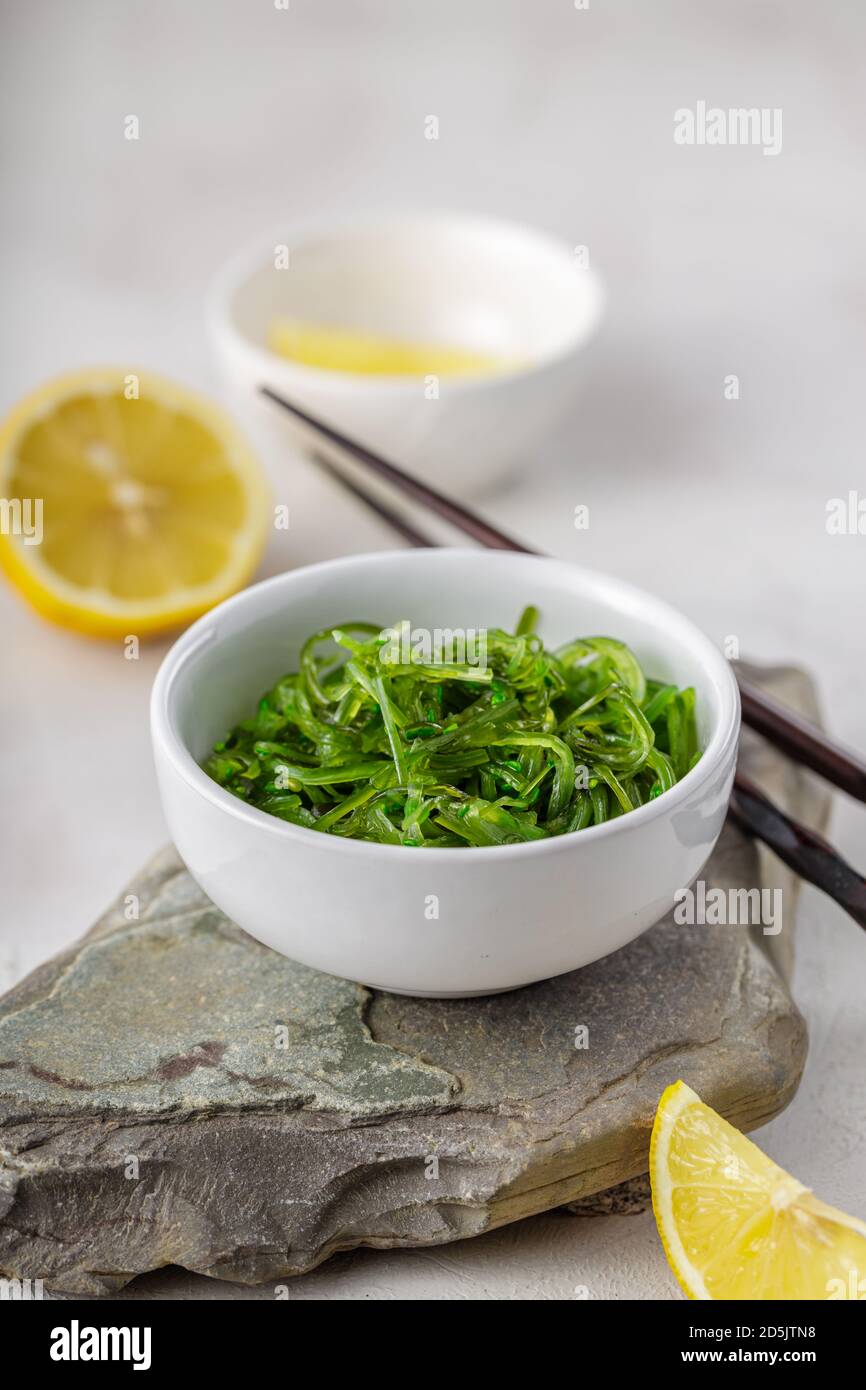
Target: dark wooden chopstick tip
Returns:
[[392, 518], [454, 512]]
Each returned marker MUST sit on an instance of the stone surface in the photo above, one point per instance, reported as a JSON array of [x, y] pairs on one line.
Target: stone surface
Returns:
[[172, 1092]]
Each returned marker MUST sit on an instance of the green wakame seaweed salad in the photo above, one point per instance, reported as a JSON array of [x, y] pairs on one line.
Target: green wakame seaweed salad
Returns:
[[378, 738]]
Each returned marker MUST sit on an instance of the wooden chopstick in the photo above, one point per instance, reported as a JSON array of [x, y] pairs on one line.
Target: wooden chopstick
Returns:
[[794, 736], [802, 849], [397, 522], [461, 517], [802, 741]]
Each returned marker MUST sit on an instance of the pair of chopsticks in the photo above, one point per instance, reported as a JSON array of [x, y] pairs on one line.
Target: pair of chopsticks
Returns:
[[802, 849]]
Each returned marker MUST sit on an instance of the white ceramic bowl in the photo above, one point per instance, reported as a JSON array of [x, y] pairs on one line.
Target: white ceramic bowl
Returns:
[[456, 280], [507, 915]]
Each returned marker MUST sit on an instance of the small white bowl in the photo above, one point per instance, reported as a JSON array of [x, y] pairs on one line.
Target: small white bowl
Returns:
[[461, 281], [441, 921]]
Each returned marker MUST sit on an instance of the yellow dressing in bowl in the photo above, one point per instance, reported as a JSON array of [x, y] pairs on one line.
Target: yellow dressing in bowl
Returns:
[[347, 350]]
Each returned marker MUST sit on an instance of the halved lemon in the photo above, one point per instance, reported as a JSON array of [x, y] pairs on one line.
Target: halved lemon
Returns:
[[734, 1224], [130, 504]]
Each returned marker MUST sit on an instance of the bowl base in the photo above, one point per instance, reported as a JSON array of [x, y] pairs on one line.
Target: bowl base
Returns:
[[445, 993]]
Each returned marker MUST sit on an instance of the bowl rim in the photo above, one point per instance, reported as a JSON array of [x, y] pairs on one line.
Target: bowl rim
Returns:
[[240, 267], [167, 740]]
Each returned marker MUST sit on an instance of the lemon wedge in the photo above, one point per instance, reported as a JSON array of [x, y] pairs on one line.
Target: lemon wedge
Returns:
[[128, 505], [735, 1225]]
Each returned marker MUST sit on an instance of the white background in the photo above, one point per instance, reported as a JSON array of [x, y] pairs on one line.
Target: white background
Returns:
[[718, 260]]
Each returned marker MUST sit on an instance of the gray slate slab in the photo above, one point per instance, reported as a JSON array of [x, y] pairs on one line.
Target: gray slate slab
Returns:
[[173, 1092]]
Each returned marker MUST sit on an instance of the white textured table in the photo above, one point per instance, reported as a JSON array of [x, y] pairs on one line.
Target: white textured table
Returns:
[[718, 260]]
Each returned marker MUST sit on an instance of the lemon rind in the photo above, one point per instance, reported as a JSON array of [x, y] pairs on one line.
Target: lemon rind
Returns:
[[674, 1100]]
